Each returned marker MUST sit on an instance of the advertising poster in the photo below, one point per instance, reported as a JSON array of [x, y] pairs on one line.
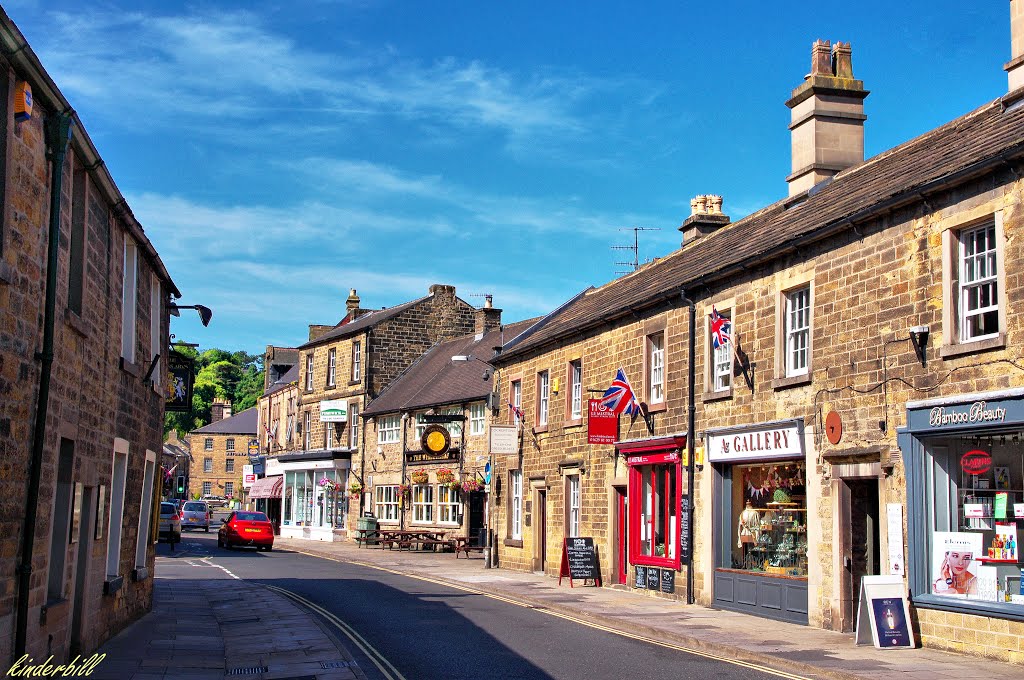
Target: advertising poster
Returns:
[[890, 623], [954, 563]]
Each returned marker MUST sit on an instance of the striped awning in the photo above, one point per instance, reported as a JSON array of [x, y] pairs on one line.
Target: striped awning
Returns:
[[268, 487]]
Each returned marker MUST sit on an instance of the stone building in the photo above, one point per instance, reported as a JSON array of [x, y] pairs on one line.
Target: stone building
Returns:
[[175, 461], [861, 414], [405, 483], [83, 326], [220, 450], [341, 369]]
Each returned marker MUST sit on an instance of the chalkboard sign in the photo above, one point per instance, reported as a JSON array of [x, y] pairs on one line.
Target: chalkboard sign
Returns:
[[684, 531], [641, 577], [579, 560], [668, 581], [653, 578]]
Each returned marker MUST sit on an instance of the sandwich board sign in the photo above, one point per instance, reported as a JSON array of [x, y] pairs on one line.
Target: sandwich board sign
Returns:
[[883, 615]]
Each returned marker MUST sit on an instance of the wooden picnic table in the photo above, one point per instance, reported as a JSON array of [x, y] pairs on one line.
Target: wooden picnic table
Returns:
[[465, 544], [407, 538]]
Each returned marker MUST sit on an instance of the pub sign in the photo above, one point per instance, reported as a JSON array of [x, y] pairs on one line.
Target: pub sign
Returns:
[[180, 377]]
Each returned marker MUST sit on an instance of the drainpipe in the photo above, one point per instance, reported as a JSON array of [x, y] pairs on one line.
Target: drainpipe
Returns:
[[58, 134], [691, 408], [401, 500]]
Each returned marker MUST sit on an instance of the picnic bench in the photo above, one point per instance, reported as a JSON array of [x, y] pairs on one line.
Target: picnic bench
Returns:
[[367, 536], [408, 539], [466, 544]]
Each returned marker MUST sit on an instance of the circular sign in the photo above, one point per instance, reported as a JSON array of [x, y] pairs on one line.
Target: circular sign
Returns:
[[976, 462], [436, 439], [834, 427]]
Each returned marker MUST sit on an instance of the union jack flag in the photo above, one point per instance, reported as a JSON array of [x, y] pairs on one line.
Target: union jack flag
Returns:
[[516, 411], [620, 396], [721, 329]]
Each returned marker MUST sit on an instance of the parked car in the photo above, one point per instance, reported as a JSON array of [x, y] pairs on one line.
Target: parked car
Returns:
[[245, 528], [170, 523], [196, 515], [215, 501]]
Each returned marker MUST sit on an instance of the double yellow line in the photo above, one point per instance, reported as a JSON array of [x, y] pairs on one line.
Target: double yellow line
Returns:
[[518, 603]]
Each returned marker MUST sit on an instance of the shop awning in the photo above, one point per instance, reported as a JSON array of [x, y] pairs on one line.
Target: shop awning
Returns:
[[268, 487]]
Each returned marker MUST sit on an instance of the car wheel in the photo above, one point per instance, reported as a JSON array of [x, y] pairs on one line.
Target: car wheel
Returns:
[[269, 548], [206, 529], [220, 543]]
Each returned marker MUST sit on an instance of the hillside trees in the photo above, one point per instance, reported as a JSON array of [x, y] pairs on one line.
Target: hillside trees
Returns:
[[219, 374]]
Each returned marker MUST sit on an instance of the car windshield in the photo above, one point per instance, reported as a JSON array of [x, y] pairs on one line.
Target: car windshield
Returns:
[[195, 507], [167, 509], [251, 516]]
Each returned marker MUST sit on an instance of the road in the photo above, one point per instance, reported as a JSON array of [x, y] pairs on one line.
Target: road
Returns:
[[425, 629]]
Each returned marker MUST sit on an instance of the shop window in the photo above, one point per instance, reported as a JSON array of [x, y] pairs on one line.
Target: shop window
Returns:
[[332, 359], [309, 372], [576, 390], [978, 284], [387, 503], [656, 368], [477, 418], [423, 503], [543, 398], [515, 500], [387, 429], [796, 332], [654, 506], [229, 465], [449, 505], [767, 518], [572, 503], [357, 360]]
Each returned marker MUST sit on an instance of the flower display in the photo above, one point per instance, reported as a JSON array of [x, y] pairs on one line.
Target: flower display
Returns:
[[471, 485], [354, 489], [404, 490], [419, 477], [328, 484], [445, 476]]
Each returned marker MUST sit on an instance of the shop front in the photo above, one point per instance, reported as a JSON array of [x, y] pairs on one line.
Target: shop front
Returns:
[[964, 461], [760, 519], [314, 500]]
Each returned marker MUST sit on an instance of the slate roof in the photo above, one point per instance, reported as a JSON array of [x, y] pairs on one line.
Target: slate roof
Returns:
[[241, 423], [347, 328], [290, 376], [436, 380], [955, 152]]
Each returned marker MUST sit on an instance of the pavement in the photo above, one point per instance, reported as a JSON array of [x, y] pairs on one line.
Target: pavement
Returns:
[[211, 629], [787, 647]]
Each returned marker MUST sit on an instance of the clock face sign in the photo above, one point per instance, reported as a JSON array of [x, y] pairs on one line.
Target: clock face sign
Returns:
[[834, 427], [436, 439]]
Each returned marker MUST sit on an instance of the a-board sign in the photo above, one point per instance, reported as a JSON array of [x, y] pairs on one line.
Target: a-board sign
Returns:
[[668, 581], [653, 578], [579, 560], [884, 611], [641, 577], [684, 530]]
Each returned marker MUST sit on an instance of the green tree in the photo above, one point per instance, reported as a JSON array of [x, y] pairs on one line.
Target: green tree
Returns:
[[219, 374]]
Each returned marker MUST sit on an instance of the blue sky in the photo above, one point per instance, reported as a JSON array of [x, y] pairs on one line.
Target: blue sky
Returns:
[[279, 154]]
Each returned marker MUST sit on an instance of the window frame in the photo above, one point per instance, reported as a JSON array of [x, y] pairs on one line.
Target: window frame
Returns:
[[229, 445], [332, 362], [207, 488], [389, 429], [155, 324], [422, 504], [386, 503], [656, 360], [795, 282], [207, 465], [515, 514], [309, 372], [229, 465], [353, 431], [797, 338], [963, 313], [208, 444], [118, 485], [713, 362], [229, 489], [477, 418], [449, 500], [307, 425], [574, 395], [129, 300], [357, 358], [637, 504], [516, 398], [573, 504], [543, 399]]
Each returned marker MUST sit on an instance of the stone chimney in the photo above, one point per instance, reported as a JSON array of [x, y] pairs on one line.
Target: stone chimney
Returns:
[[317, 331], [705, 216], [1015, 67], [827, 119], [487, 317], [352, 304], [220, 410]]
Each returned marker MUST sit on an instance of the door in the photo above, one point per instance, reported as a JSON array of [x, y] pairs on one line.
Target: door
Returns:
[[85, 536], [861, 538], [622, 536], [476, 517], [540, 532]]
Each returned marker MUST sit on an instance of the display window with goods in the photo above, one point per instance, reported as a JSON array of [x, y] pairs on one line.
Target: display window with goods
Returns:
[[769, 518], [656, 487]]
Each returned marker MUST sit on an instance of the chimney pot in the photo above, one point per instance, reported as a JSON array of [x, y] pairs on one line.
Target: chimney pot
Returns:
[[842, 60], [1015, 67], [705, 217], [821, 58]]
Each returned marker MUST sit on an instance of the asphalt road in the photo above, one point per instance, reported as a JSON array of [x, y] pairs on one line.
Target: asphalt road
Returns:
[[429, 630]]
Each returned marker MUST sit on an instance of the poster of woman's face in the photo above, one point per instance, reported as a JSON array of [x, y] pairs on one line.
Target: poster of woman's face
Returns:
[[954, 563]]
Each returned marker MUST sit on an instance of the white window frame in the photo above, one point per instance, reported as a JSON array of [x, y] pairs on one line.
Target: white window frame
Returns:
[[516, 498], [423, 504], [118, 480], [229, 489], [721, 359], [208, 444], [386, 503], [977, 270], [353, 424], [797, 330], [309, 372], [477, 418], [207, 488], [229, 465], [572, 502], [357, 360], [229, 445], [543, 397], [656, 368], [129, 299], [155, 339], [329, 435], [207, 465], [145, 510], [388, 428], [332, 362], [421, 425], [576, 387], [307, 425], [517, 400], [449, 504]]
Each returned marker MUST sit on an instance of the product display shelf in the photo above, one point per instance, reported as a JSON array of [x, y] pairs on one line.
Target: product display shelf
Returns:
[[782, 545]]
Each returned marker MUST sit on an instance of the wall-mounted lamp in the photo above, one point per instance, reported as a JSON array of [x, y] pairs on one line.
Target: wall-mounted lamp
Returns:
[[919, 339], [205, 313]]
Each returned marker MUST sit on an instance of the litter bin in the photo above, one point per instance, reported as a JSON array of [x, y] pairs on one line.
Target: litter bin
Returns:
[[368, 524]]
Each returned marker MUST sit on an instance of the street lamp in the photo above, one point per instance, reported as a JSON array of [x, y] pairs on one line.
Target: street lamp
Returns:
[[205, 313]]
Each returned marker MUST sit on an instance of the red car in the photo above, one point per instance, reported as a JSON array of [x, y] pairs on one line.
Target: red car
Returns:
[[246, 528]]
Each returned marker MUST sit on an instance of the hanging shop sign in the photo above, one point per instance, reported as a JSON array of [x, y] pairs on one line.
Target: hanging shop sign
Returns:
[[504, 440], [602, 423], [443, 418], [22, 101], [180, 377], [976, 462], [254, 447], [436, 440], [771, 440], [248, 476], [334, 411]]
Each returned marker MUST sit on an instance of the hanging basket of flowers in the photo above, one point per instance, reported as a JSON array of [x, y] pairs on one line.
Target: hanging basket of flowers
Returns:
[[354, 489], [404, 490], [419, 477], [445, 476], [471, 485], [328, 484]]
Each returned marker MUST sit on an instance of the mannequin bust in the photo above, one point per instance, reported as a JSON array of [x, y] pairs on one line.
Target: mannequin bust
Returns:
[[749, 527]]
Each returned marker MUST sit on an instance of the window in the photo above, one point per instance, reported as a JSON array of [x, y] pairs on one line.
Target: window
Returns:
[[978, 291], [448, 505], [656, 368], [423, 503], [477, 414], [356, 361], [721, 356], [515, 498], [762, 523], [207, 464], [387, 429], [454, 428], [229, 489], [129, 297], [229, 465], [306, 424], [576, 389], [117, 485], [329, 435], [353, 425], [155, 317], [76, 265], [208, 444], [387, 503], [572, 504], [331, 364], [517, 401], [309, 372], [654, 509], [797, 329], [231, 444], [207, 488], [543, 397], [142, 539]]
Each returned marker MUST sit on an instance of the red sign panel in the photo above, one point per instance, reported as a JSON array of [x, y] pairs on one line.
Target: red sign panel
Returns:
[[976, 462], [602, 423]]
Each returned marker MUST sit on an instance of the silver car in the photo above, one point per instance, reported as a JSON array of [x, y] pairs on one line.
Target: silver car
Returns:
[[196, 515], [170, 523]]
